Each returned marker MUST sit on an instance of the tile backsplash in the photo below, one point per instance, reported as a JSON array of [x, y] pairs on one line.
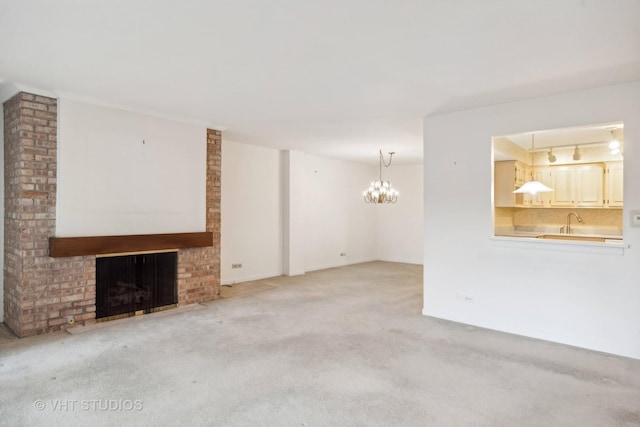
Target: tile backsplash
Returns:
[[594, 220]]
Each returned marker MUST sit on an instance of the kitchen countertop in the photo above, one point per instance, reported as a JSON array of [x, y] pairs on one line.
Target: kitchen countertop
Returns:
[[542, 233], [564, 238]]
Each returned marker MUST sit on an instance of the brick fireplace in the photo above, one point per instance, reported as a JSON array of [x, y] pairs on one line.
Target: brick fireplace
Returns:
[[40, 292]]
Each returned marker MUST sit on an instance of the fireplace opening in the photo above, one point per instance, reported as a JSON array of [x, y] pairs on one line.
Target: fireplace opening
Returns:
[[131, 284]]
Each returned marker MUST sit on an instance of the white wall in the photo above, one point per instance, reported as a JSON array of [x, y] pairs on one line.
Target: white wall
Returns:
[[337, 219], [585, 296], [121, 172], [280, 206], [400, 232], [251, 212], [293, 212]]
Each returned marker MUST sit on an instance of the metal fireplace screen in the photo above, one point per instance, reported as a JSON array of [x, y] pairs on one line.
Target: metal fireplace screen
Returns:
[[128, 284]]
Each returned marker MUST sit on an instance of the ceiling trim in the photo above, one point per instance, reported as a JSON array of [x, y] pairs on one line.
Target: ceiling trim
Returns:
[[102, 103], [8, 90]]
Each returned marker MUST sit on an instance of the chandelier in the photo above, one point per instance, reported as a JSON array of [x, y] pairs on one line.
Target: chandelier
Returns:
[[381, 191]]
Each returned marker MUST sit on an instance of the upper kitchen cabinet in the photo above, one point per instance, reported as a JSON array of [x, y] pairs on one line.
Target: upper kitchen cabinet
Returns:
[[562, 179], [577, 185], [589, 189], [509, 176], [614, 185], [541, 174]]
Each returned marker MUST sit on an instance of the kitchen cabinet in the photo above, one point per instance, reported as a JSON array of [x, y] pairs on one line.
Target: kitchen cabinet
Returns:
[[562, 181], [614, 185], [590, 185], [577, 185], [521, 172], [541, 174], [509, 175]]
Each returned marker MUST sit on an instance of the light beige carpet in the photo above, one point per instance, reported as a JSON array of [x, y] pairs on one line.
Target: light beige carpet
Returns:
[[340, 347]]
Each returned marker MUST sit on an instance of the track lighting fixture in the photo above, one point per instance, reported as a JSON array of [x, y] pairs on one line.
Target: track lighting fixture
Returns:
[[614, 145], [576, 154]]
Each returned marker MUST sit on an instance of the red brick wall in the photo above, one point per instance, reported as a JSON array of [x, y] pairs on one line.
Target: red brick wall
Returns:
[[40, 292], [199, 269]]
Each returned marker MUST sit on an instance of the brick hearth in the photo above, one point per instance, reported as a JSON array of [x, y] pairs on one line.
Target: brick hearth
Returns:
[[40, 291]]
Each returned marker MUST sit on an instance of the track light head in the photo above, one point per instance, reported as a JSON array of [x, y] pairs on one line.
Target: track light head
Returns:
[[576, 154]]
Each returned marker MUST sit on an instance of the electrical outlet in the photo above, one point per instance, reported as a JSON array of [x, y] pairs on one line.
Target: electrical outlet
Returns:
[[343, 254], [236, 265], [465, 298]]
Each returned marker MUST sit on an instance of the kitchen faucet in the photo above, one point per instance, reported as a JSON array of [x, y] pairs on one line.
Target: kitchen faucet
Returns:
[[568, 226]]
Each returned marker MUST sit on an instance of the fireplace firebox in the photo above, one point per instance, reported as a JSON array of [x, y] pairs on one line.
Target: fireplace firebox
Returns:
[[130, 284]]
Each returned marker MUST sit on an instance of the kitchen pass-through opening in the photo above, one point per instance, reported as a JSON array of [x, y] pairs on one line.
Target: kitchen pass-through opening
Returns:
[[574, 181]]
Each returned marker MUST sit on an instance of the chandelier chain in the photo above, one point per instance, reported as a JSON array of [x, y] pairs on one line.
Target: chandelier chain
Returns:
[[386, 165]]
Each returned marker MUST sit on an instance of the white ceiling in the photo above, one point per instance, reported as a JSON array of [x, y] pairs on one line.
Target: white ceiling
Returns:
[[340, 78]]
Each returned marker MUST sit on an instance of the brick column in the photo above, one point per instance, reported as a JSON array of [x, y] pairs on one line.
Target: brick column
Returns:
[[40, 292], [199, 269]]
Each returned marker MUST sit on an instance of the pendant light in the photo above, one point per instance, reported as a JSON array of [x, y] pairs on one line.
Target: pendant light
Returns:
[[532, 186]]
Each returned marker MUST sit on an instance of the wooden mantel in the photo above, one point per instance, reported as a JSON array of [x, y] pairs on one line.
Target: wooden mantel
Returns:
[[101, 245]]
